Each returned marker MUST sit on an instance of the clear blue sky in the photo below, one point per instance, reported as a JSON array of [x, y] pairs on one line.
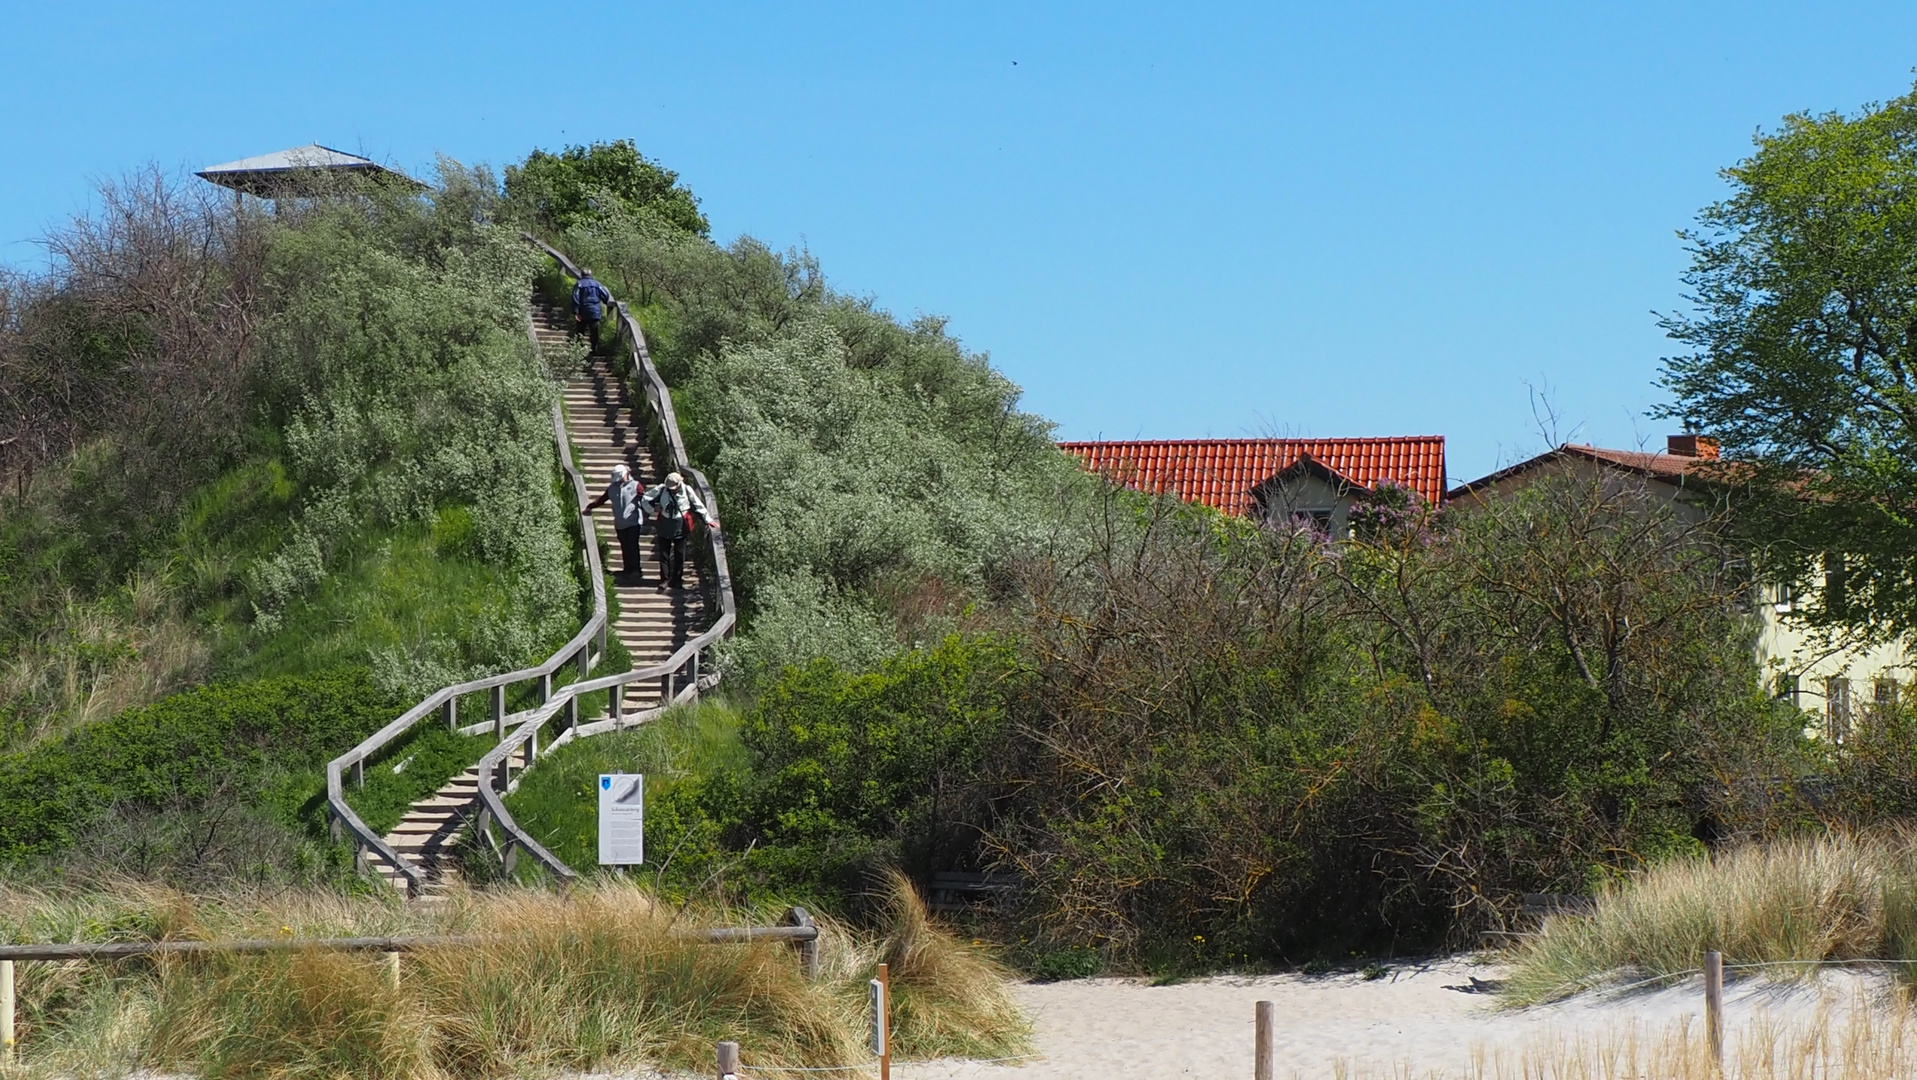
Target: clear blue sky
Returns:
[[1162, 220]]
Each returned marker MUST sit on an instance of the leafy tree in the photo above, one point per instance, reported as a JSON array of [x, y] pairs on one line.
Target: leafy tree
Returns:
[[565, 189], [1805, 329]]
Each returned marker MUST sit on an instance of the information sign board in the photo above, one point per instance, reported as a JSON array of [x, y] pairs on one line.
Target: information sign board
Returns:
[[622, 819]]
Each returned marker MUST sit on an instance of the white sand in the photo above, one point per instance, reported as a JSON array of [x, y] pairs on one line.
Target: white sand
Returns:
[[1406, 1023]]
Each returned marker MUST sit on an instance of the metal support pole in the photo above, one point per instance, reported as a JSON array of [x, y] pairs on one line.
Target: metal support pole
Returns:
[[1714, 1006], [499, 712]]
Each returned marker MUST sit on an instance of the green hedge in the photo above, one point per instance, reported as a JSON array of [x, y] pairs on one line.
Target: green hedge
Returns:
[[181, 752]]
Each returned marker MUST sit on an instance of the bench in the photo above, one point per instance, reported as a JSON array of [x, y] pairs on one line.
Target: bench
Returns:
[[956, 890], [1538, 905]]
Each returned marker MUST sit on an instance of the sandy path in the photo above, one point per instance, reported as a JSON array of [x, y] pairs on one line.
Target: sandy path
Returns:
[[1110, 1028]]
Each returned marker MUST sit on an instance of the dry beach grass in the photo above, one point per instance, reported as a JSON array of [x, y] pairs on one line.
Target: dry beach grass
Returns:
[[594, 982]]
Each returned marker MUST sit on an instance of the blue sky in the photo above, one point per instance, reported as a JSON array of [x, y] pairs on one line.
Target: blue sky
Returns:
[[1162, 220]]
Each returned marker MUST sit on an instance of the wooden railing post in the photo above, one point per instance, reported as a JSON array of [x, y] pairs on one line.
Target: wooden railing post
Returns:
[[359, 773], [499, 712], [613, 702], [545, 688], [728, 1061], [452, 713]]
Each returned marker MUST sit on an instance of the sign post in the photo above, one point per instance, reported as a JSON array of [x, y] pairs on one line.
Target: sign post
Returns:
[[622, 819], [881, 1022]]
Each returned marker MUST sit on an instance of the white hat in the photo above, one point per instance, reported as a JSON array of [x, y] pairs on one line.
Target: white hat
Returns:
[[620, 472], [675, 479]]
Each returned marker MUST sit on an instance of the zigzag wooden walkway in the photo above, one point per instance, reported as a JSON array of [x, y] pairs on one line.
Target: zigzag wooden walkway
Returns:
[[651, 622]]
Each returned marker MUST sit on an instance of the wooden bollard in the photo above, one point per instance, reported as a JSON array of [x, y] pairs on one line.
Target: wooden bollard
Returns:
[[1714, 1006], [6, 1012], [1266, 1017], [728, 1061], [392, 969]]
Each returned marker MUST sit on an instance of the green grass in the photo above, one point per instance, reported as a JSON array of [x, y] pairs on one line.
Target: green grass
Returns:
[[406, 586], [426, 757], [556, 801]]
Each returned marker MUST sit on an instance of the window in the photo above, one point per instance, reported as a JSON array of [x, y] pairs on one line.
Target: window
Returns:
[[1785, 688], [1883, 699], [1837, 707]]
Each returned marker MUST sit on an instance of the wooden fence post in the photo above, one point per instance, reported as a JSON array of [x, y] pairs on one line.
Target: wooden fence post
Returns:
[[1714, 1006], [499, 712], [1265, 1015], [728, 1061], [7, 1055], [392, 969], [452, 713]]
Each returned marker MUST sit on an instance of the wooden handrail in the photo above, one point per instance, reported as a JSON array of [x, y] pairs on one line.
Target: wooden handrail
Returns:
[[579, 648], [123, 950], [496, 763]]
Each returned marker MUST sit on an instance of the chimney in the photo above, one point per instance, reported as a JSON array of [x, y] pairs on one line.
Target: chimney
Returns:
[[1696, 446]]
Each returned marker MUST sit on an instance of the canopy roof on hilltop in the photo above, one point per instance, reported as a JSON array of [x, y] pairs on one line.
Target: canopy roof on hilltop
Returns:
[[303, 170], [1224, 473]]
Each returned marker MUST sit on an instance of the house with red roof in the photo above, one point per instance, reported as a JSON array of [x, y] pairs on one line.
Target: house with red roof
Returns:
[[1838, 684], [1272, 479]]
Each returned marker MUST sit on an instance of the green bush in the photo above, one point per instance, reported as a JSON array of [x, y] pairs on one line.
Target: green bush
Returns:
[[850, 770], [261, 739]]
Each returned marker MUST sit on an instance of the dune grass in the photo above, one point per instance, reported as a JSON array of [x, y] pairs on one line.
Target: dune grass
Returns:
[[1791, 904], [1864, 1039], [598, 981]]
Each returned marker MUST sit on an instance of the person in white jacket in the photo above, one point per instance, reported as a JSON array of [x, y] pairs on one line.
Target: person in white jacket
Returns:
[[671, 506], [628, 519]]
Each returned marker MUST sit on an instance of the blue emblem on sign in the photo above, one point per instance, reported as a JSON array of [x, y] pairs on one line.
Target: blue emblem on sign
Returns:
[[605, 783]]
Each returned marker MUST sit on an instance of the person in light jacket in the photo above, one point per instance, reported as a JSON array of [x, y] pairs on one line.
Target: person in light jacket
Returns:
[[671, 506], [628, 519]]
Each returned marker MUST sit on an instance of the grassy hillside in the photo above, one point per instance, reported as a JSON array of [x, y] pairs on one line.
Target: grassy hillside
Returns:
[[370, 490]]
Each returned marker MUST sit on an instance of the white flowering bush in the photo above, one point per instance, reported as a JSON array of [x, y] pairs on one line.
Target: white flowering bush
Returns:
[[403, 384], [859, 461]]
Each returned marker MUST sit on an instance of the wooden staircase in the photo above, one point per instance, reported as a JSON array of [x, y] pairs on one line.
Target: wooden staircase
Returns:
[[650, 621]]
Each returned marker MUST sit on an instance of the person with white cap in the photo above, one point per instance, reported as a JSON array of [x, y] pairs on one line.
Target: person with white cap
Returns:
[[628, 519], [671, 506]]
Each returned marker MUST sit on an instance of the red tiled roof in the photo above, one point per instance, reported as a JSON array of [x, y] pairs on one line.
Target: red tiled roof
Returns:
[[1221, 473]]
